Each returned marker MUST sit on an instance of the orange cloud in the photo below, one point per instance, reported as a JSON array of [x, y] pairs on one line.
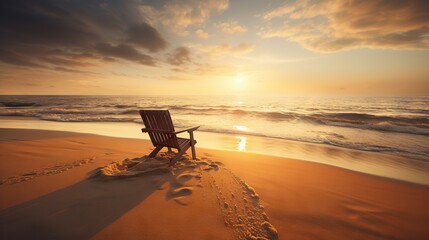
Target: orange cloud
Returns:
[[334, 25], [231, 27], [220, 50], [201, 33]]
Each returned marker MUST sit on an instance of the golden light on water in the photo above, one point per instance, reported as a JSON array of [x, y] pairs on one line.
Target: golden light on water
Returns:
[[242, 141]]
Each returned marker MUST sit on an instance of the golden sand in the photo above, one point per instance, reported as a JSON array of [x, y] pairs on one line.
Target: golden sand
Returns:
[[59, 185]]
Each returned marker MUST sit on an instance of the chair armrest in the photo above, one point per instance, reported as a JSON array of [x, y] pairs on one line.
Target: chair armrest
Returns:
[[187, 130], [155, 130]]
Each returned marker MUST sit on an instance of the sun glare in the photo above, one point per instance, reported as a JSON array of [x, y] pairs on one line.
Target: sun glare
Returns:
[[241, 128], [239, 81]]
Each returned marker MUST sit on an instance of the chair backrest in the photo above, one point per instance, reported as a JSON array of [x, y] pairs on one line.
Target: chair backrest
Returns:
[[160, 120]]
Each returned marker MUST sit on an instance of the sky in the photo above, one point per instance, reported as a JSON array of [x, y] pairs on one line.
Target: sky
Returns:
[[213, 47]]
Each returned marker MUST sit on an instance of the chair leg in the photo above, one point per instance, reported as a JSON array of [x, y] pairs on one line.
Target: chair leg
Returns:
[[155, 151], [191, 135], [194, 156], [178, 155]]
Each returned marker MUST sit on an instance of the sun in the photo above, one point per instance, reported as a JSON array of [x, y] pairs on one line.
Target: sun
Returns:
[[239, 81]]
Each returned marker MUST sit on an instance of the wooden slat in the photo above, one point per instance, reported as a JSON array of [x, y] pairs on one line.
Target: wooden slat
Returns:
[[161, 120]]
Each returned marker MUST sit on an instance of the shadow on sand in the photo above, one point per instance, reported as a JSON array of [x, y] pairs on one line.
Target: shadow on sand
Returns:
[[78, 211]]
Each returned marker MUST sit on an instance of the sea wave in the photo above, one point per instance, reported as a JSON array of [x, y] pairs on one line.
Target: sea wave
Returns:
[[341, 142], [339, 122], [410, 124], [132, 111], [16, 114], [18, 104], [85, 118], [403, 124], [123, 106], [349, 117], [363, 118]]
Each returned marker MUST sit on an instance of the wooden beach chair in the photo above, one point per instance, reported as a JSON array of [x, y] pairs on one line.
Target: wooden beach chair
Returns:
[[161, 131]]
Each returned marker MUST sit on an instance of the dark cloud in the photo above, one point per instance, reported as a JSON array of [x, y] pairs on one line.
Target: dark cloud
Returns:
[[68, 34], [71, 70], [333, 25], [126, 52], [181, 55], [15, 58], [41, 23], [147, 37]]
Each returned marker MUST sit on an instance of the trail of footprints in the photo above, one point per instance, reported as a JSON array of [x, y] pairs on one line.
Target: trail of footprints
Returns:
[[239, 203], [55, 169], [241, 207]]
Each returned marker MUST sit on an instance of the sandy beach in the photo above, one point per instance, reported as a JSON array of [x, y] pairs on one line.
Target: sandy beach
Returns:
[[62, 185], [294, 120]]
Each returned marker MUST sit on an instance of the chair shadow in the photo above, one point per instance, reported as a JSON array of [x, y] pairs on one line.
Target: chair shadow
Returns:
[[78, 211]]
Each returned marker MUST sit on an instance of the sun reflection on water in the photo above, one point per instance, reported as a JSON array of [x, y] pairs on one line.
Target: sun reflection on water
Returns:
[[241, 145]]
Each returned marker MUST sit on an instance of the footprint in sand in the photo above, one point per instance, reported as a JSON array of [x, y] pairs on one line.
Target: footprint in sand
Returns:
[[56, 169], [182, 201], [239, 203], [241, 207], [182, 178], [180, 192]]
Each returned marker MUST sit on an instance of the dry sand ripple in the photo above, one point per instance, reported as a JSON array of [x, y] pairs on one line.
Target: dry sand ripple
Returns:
[[238, 202]]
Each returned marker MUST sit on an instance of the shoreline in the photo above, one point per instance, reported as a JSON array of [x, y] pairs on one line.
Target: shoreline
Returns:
[[301, 199], [213, 136], [400, 167]]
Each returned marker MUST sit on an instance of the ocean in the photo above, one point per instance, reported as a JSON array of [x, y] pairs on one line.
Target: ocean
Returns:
[[375, 124]]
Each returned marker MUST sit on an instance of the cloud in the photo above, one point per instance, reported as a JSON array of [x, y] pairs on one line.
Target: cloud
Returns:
[[279, 11], [231, 27], [146, 36], [220, 50], [334, 25], [180, 56], [201, 34], [126, 52], [179, 15], [201, 70], [16, 58], [72, 70], [72, 34], [215, 70]]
